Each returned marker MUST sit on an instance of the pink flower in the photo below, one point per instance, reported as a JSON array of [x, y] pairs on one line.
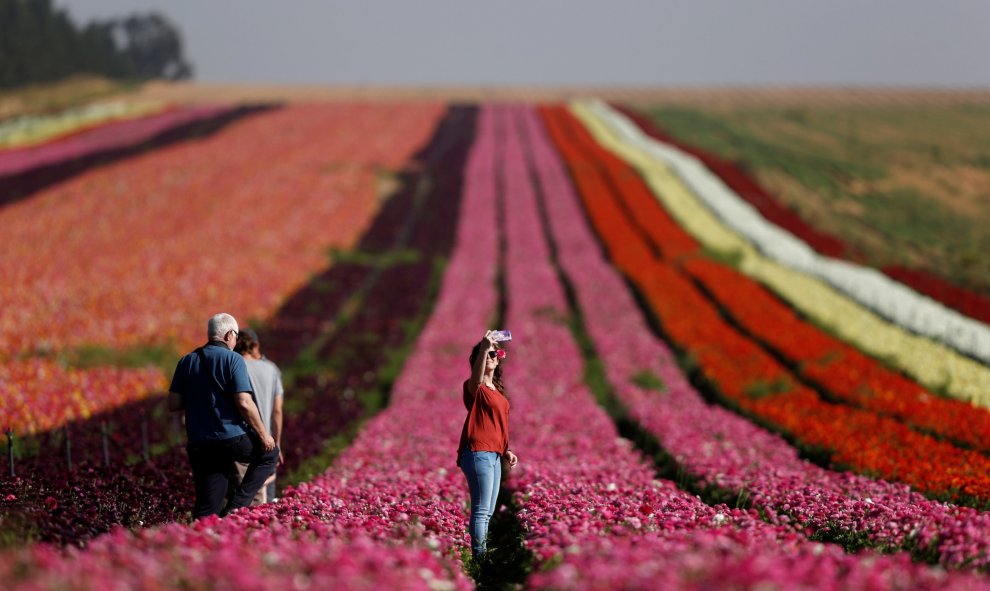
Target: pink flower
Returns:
[[501, 354]]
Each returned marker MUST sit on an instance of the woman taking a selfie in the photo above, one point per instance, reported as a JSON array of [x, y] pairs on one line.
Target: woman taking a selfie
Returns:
[[485, 437]]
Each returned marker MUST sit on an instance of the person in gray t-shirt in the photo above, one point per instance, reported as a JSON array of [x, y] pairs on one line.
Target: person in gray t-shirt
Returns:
[[266, 380]]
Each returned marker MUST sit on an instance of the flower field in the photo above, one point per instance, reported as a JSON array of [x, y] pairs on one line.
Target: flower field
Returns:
[[128, 399], [32, 130], [701, 397], [966, 301]]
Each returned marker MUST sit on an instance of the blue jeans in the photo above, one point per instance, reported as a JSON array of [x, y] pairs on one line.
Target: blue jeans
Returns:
[[483, 470]]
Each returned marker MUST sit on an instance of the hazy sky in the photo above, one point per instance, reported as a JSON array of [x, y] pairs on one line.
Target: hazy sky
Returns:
[[553, 42]]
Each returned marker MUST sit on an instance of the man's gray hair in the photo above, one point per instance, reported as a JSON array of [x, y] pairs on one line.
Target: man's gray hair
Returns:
[[220, 325]]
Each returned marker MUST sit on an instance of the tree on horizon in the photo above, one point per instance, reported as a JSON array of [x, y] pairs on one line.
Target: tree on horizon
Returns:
[[41, 43]]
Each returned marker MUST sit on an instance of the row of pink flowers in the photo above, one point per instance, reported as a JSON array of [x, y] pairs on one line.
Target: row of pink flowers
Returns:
[[111, 136], [396, 484], [682, 538], [720, 449], [706, 560], [266, 554]]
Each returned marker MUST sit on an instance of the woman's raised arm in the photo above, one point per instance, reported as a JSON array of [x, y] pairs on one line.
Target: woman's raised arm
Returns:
[[478, 369]]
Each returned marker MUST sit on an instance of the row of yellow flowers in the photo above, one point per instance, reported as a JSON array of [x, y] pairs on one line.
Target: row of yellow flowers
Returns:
[[932, 364]]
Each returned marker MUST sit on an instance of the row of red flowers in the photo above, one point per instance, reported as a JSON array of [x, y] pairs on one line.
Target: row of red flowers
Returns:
[[754, 381], [40, 395], [717, 449], [840, 370], [968, 302]]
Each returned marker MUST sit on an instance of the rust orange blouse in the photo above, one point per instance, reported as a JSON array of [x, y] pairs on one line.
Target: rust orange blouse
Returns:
[[486, 427]]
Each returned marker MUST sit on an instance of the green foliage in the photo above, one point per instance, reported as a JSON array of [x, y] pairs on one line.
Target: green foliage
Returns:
[[18, 531], [162, 356], [648, 380], [507, 563], [317, 463], [732, 258], [910, 217], [40, 43], [761, 389], [731, 138], [594, 369], [380, 260]]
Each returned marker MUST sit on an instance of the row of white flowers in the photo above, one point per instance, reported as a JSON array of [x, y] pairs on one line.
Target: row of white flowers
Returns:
[[847, 299]]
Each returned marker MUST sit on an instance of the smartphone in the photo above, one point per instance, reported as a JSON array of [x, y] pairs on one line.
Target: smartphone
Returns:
[[501, 335]]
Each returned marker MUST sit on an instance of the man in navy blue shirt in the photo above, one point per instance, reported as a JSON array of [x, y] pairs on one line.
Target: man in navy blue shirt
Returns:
[[223, 424]]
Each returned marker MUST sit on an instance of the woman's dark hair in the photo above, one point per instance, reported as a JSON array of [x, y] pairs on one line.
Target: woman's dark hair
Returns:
[[246, 340], [496, 375]]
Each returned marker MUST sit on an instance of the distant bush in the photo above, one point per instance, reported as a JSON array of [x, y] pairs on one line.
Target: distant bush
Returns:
[[41, 43]]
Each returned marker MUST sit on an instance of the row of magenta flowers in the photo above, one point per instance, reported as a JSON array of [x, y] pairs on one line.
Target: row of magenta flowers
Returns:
[[714, 446], [970, 303], [926, 341], [155, 283], [585, 498]]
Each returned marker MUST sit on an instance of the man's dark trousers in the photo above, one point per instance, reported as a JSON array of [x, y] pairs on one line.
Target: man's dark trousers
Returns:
[[212, 463]]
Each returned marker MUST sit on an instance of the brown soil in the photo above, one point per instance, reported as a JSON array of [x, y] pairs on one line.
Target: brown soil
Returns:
[[963, 189], [46, 98], [710, 97]]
